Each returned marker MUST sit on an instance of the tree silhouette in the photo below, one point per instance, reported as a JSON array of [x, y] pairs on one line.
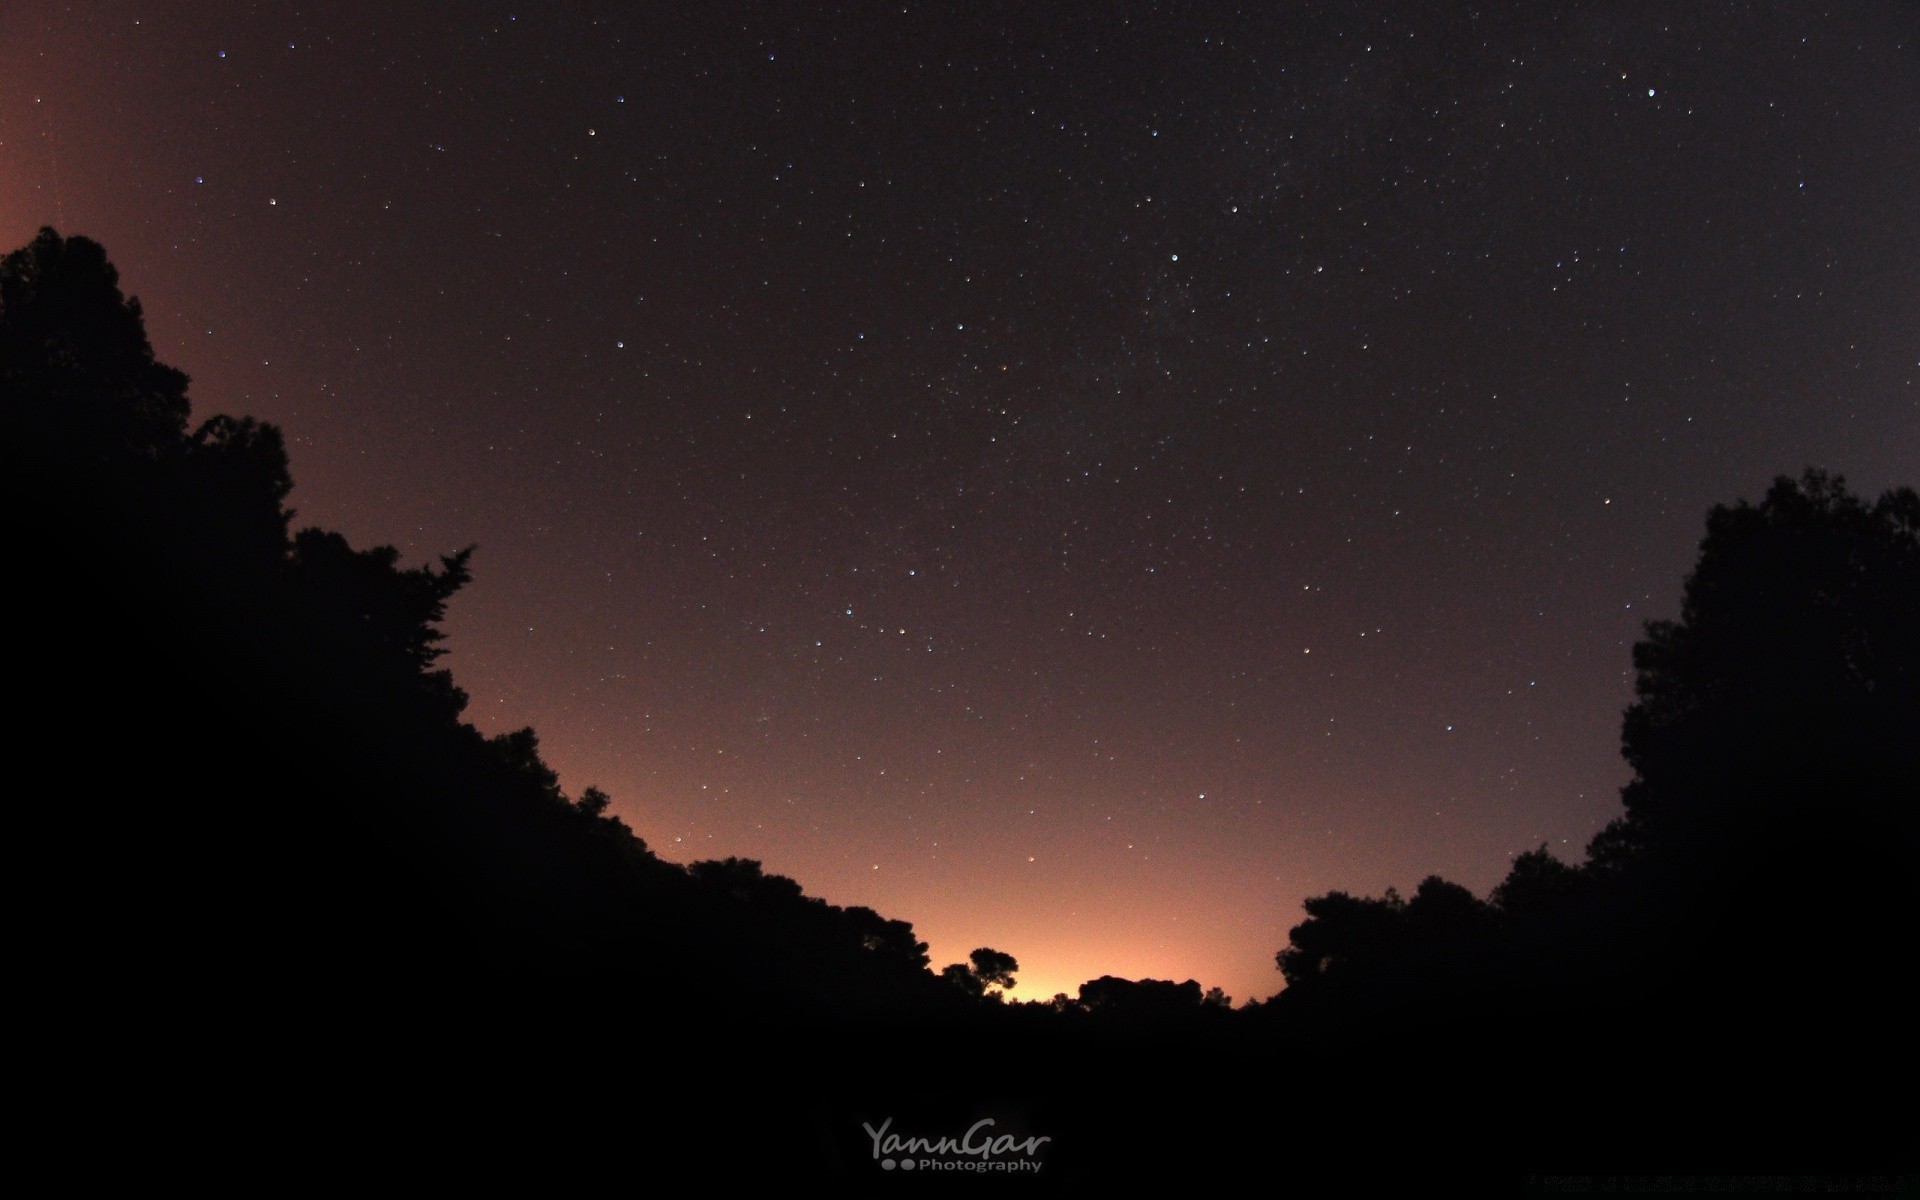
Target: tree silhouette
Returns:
[[961, 977], [986, 968], [994, 968], [1775, 744], [1786, 698], [1340, 930], [1537, 884], [79, 375], [1143, 1000], [292, 799], [1345, 934]]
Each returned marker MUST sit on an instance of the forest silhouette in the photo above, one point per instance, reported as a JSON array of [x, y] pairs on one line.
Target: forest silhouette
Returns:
[[286, 898]]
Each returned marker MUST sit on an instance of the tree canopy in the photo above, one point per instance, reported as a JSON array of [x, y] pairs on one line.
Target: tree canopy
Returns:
[[985, 968], [1788, 691], [1774, 737], [327, 812]]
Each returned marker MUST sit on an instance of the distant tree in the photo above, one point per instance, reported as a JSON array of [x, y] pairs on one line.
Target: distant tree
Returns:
[[987, 968], [993, 968]]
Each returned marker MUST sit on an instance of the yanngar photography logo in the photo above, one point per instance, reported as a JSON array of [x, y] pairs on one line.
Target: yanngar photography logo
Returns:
[[982, 1148]]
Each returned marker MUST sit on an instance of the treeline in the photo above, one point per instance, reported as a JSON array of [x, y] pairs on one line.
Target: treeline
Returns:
[[249, 770], [1767, 854], [259, 744], [259, 834]]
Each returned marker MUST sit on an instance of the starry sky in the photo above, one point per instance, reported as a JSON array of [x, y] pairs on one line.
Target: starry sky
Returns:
[[1080, 478]]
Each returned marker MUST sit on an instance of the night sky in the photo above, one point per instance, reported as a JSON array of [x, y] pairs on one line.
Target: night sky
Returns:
[[1081, 479]]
